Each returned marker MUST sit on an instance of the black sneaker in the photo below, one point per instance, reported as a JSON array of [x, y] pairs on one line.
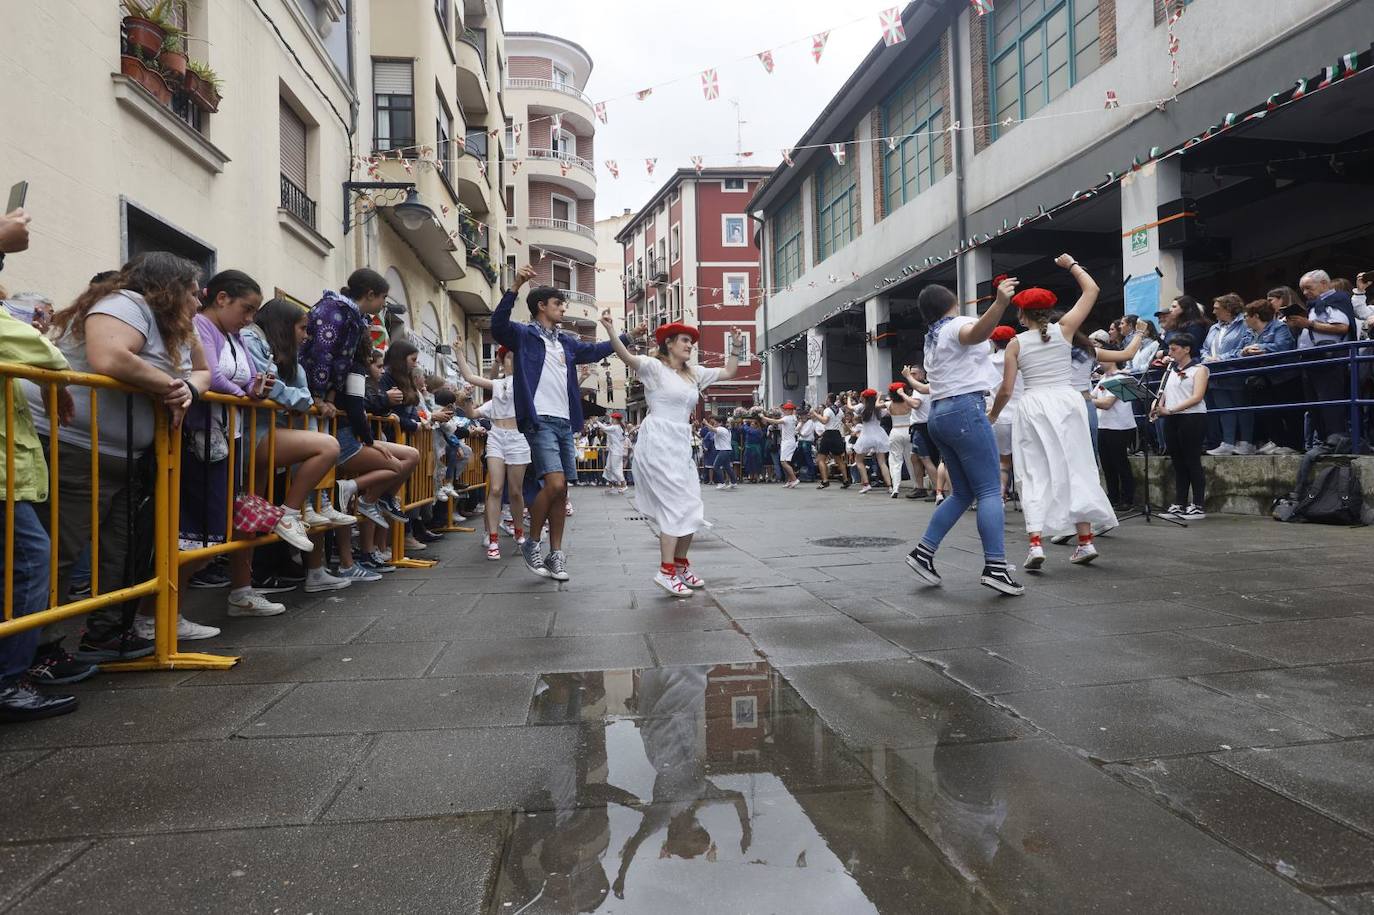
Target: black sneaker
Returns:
[[53, 664], [273, 584], [923, 566], [211, 577], [80, 590], [290, 572], [846, 484], [391, 507], [119, 646], [999, 579], [824, 485], [21, 700]]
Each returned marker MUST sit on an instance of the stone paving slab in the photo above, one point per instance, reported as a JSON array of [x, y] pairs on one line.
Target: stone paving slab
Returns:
[[813, 640], [719, 646], [785, 600], [1117, 658], [24, 866], [974, 630], [1299, 642], [1338, 698], [428, 626], [1276, 606], [1336, 779], [546, 655], [692, 617], [303, 664], [1121, 618]]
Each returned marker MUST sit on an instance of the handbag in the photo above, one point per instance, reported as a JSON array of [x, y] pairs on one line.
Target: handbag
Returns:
[[255, 515], [209, 444]]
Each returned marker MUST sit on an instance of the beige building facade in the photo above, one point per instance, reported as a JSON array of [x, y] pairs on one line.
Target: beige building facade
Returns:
[[610, 295]]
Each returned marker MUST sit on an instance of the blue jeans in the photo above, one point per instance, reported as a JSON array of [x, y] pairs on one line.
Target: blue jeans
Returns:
[[724, 464], [1235, 427], [968, 446], [31, 550], [551, 448]]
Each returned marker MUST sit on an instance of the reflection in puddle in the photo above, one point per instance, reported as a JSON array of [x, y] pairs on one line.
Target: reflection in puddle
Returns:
[[714, 789]]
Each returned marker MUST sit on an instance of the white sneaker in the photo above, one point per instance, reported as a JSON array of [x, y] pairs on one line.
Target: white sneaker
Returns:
[[347, 490], [337, 517], [865, 488], [1035, 558], [320, 580], [1222, 449], [1193, 513], [1173, 511], [720, 487], [145, 627], [690, 578], [413, 545], [1266, 448], [1083, 554], [251, 603], [312, 518], [732, 487], [672, 584], [1282, 450], [1060, 539], [1245, 448], [291, 529]]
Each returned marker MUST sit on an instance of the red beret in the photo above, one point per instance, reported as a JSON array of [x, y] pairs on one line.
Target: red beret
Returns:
[[672, 330], [896, 386], [1002, 333], [617, 416], [789, 406], [1035, 299], [501, 353], [868, 392]]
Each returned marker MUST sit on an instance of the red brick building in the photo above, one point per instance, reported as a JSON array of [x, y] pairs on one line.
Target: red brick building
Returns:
[[691, 255]]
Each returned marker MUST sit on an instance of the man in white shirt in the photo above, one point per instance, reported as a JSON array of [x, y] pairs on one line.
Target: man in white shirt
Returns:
[[723, 462], [1329, 319]]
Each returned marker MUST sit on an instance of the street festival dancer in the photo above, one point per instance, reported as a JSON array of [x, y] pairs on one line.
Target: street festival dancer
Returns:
[[667, 489], [614, 472], [548, 406], [508, 452], [959, 370]]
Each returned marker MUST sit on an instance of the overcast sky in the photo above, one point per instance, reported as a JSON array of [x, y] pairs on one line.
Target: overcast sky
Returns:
[[639, 43]]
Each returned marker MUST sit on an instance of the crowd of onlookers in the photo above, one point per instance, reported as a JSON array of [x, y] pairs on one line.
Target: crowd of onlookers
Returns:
[[328, 481]]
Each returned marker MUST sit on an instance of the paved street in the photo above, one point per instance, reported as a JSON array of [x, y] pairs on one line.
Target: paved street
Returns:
[[1186, 726]]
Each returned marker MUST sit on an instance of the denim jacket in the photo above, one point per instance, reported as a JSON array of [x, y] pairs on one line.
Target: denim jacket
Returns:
[[1276, 338]]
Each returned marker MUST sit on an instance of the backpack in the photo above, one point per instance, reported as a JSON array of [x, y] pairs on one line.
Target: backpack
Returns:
[[1334, 497]]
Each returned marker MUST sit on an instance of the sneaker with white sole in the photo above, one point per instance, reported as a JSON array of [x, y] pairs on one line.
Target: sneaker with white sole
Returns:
[[1035, 558], [1083, 554], [865, 488], [732, 487], [372, 511], [672, 584], [313, 518], [391, 507], [568, 510], [292, 530], [1266, 448], [999, 579], [336, 517], [493, 550], [1061, 539], [534, 559], [320, 580], [557, 564], [507, 527], [923, 566], [1245, 448], [413, 545], [347, 490], [1194, 513], [690, 578], [187, 630], [358, 572], [1173, 511], [720, 487], [1222, 449], [251, 603]]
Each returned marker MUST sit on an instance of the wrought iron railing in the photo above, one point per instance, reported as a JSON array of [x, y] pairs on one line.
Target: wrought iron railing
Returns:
[[296, 202]]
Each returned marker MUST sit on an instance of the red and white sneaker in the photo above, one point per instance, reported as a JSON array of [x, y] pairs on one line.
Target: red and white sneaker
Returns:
[[493, 550], [672, 584], [568, 512], [689, 578]]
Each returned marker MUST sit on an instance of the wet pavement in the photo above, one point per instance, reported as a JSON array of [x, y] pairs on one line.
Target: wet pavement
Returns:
[[1185, 726]]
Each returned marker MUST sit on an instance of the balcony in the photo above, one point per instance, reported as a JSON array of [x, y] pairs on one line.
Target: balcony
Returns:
[[471, 48], [295, 202], [564, 169], [562, 236], [474, 188], [547, 96], [296, 216], [634, 287], [658, 269], [475, 293]]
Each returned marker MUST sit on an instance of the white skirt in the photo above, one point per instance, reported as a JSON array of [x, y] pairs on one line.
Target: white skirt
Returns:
[[872, 440], [667, 488], [615, 466], [1056, 472]]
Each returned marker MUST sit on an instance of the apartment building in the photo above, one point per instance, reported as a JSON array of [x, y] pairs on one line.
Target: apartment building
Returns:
[[691, 254], [989, 144], [610, 296]]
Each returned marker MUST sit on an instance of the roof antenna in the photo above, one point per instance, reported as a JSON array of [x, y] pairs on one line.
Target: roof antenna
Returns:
[[739, 133]]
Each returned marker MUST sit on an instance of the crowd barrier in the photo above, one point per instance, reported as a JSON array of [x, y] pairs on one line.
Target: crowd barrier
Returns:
[[169, 553]]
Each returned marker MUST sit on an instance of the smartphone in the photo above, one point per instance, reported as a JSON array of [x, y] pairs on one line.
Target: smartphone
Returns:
[[18, 194]]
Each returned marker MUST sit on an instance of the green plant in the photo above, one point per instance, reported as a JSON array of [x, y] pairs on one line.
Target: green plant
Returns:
[[174, 42], [204, 72], [159, 12]]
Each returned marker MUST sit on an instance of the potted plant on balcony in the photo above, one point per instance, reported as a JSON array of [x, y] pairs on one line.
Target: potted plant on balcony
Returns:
[[172, 58], [146, 25], [146, 74], [203, 85]]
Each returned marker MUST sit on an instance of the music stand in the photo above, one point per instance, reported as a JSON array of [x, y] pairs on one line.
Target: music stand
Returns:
[[1129, 390]]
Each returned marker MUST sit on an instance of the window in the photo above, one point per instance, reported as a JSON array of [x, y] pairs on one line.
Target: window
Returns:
[[295, 179], [732, 233], [662, 262], [442, 10], [443, 137], [562, 276], [734, 184], [563, 208], [639, 266], [836, 205], [1038, 49], [677, 300], [787, 242], [748, 356], [736, 289], [561, 77], [510, 140], [675, 248], [563, 143], [915, 115], [510, 201], [393, 88]]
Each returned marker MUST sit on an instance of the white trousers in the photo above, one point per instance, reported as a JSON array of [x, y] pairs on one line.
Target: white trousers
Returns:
[[899, 452]]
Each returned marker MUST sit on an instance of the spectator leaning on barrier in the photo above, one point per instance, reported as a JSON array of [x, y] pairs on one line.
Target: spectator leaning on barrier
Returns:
[[27, 554], [1225, 340], [135, 327], [1330, 318], [1269, 334]]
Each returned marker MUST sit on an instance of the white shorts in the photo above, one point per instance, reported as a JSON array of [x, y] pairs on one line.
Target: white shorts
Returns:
[[510, 445], [1003, 433]]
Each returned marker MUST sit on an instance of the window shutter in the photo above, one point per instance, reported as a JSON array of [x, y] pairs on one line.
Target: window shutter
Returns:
[[293, 146], [393, 77]]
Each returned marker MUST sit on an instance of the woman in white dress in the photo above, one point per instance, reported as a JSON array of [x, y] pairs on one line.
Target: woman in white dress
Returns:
[[873, 439], [667, 489], [507, 450], [1052, 448], [614, 472], [787, 441]]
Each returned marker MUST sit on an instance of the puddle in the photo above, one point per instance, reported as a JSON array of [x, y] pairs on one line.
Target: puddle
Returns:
[[713, 789]]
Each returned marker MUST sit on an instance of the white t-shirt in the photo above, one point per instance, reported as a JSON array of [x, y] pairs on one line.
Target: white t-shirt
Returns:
[[551, 397], [832, 419], [921, 412], [1118, 416], [721, 434], [953, 368], [1178, 389], [787, 429], [808, 431], [502, 403]]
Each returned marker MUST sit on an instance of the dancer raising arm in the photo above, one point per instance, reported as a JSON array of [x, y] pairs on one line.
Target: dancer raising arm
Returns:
[[787, 444], [960, 373], [667, 490], [508, 452]]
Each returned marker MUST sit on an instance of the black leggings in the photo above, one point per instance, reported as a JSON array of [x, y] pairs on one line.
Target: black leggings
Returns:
[[1183, 437], [1113, 445]]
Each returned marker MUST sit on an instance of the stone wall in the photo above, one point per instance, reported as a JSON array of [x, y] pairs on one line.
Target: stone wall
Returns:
[[1241, 485]]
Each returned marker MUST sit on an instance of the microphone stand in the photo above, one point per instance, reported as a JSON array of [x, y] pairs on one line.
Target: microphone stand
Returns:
[[1147, 510]]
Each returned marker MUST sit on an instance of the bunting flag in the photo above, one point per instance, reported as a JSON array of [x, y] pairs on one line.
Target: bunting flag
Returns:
[[1230, 120], [891, 144], [893, 30], [563, 166], [710, 85], [981, 7], [514, 167], [555, 123], [642, 94], [1272, 102], [649, 166], [482, 167], [839, 152], [613, 168], [787, 155], [698, 163], [1329, 76], [600, 109], [443, 208], [1300, 89], [1112, 100], [818, 41], [745, 155], [518, 130], [766, 58], [1350, 62]]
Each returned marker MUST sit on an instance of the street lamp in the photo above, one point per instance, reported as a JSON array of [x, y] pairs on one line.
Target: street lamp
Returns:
[[413, 214], [357, 187]]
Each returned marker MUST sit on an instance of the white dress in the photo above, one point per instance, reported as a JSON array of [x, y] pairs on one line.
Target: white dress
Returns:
[[1051, 447], [615, 452], [872, 438], [667, 488], [787, 438]]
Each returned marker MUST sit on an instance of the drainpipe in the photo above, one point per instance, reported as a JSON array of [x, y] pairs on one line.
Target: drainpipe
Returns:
[[957, 102], [764, 369]]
